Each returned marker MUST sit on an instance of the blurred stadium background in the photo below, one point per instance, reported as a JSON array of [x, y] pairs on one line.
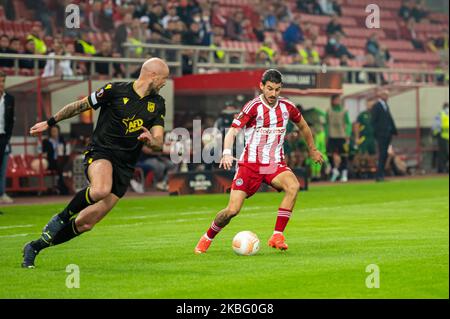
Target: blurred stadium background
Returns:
[[217, 51]]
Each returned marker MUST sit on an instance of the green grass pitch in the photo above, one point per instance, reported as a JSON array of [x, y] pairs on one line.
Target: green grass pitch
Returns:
[[144, 247]]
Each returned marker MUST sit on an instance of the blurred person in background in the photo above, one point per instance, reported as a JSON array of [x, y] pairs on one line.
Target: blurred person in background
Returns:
[[384, 128], [54, 149], [364, 160], [6, 128], [308, 54], [440, 131], [334, 26], [234, 29], [5, 48], [29, 49], [122, 32], [293, 35], [339, 130], [58, 67], [37, 36], [267, 52]]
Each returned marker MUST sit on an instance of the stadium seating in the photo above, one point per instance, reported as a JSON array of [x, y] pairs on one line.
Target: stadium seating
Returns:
[[20, 175], [352, 20]]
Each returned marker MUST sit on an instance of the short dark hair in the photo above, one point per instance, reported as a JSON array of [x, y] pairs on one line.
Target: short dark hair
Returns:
[[272, 75]]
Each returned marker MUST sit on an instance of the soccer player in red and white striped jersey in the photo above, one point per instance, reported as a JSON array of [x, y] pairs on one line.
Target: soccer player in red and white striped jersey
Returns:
[[264, 121]]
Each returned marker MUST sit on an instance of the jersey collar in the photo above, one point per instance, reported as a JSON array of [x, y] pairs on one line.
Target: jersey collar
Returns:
[[261, 97]]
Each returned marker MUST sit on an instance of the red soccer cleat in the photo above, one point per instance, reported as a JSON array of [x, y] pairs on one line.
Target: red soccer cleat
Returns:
[[277, 241], [203, 245]]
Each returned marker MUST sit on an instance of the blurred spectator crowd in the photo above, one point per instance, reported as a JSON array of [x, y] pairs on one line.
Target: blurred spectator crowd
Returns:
[[286, 32]]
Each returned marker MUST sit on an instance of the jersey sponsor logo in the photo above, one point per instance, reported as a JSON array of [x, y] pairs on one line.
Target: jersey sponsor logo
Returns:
[[270, 131], [151, 107], [125, 100], [132, 124]]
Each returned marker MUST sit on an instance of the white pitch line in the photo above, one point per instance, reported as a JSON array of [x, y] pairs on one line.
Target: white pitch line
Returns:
[[14, 235], [16, 226]]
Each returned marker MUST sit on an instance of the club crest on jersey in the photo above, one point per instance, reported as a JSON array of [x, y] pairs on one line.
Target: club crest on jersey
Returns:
[[125, 100], [239, 182], [151, 107], [285, 115], [132, 124]]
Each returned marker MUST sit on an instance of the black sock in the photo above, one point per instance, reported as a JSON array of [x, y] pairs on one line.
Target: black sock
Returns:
[[39, 244], [80, 201], [67, 233]]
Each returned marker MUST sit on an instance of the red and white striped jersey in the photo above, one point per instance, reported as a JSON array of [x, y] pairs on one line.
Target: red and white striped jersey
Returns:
[[265, 129]]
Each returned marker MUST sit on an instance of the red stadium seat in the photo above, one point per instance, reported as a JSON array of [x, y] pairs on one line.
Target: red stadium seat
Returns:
[[363, 32], [398, 45], [18, 29], [8, 28], [358, 43]]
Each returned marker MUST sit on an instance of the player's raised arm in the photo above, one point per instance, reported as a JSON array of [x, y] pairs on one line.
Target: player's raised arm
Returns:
[[66, 112], [307, 135]]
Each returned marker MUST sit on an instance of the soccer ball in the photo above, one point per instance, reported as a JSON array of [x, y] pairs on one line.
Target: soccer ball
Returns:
[[245, 243]]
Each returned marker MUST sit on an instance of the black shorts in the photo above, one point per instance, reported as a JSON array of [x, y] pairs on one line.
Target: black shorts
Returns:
[[336, 145], [121, 174]]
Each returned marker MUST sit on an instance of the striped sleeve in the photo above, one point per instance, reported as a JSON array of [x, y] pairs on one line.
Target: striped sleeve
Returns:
[[101, 96], [294, 113], [245, 115]]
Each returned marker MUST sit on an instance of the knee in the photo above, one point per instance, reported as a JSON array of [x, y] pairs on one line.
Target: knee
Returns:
[[85, 226], [292, 189], [99, 192], [231, 211]]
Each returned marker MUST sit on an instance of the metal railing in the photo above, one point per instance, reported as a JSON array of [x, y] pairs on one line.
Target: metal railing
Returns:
[[203, 59]]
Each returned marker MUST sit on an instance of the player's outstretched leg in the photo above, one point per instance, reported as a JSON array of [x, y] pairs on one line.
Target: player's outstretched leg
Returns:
[[222, 219], [57, 224], [289, 183], [100, 175], [84, 222]]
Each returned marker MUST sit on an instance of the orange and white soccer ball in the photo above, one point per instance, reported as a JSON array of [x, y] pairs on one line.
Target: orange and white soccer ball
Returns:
[[245, 243]]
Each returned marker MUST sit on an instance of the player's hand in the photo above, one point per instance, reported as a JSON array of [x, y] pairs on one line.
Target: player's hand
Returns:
[[145, 136], [39, 128], [316, 156], [226, 162]]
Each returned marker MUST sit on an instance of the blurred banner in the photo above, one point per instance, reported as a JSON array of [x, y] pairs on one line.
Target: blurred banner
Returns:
[[217, 181]]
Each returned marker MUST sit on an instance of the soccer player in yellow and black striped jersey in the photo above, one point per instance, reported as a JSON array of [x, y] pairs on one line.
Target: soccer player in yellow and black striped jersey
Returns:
[[131, 115]]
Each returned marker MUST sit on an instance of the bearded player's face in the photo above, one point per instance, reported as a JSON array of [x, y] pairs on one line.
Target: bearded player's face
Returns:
[[271, 91]]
